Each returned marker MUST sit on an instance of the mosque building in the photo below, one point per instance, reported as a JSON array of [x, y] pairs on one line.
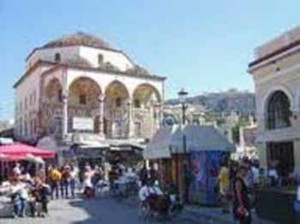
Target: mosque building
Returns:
[[81, 84]]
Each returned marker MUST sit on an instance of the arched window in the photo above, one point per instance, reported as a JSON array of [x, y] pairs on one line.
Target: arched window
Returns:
[[137, 103], [57, 57], [100, 59], [118, 102], [60, 95], [278, 111], [82, 99]]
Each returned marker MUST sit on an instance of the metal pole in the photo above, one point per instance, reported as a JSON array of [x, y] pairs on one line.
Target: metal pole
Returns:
[[183, 114]]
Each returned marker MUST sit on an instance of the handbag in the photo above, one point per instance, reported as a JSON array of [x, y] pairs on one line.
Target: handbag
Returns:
[[241, 213]]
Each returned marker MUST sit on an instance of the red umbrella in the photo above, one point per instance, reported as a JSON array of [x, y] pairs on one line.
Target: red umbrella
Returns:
[[18, 150]]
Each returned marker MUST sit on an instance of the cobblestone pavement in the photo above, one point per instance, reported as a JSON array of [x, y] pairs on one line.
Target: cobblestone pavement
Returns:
[[98, 211]]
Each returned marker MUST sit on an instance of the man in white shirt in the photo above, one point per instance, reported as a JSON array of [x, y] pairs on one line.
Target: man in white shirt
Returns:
[[147, 190], [20, 195], [17, 169]]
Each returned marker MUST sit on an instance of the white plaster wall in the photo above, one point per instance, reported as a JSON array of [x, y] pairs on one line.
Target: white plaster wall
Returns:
[[29, 87], [267, 81], [48, 54], [287, 80], [117, 59]]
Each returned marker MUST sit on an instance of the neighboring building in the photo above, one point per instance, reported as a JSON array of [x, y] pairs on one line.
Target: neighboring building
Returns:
[[80, 83], [194, 114], [276, 73], [247, 143]]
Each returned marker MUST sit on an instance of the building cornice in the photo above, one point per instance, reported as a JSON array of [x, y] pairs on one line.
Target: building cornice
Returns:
[[90, 69], [146, 76], [31, 70], [71, 45], [289, 50]]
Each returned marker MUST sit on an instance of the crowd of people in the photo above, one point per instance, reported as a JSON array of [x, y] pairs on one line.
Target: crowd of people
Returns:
[[30, 190], [29, 193], [238, 182]]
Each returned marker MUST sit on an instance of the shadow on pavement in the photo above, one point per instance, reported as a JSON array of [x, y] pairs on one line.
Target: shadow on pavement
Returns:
[[107, 210], [91, 207]]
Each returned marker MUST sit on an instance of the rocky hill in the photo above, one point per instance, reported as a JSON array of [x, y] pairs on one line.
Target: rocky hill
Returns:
[[242, 102]]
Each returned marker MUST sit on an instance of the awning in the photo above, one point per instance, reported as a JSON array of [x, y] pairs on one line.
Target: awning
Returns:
[[90, 140], [200, 138], [20, 151], [159, 145]]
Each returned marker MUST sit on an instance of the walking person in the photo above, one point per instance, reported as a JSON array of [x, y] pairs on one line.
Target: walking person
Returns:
[[88, 190], [241, 202], [224, 184], [66, 179], [54, 180], [143, 175], [73, 179]]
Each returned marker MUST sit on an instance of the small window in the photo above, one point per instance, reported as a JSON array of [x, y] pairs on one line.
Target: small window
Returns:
[[137, 103], [57, 57], [60, 95], [100, 59], [82, 99], [118, 102]]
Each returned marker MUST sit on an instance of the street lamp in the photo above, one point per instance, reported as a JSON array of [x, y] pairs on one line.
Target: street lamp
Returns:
[[182, 95]]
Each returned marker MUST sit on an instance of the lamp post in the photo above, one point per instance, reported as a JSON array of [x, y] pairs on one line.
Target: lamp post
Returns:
[[182, 95]]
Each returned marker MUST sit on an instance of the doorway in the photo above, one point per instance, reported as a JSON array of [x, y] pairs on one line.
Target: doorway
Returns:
[[283, 153]]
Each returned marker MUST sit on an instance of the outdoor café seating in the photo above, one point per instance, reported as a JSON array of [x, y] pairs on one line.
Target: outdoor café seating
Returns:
[[11, 153]]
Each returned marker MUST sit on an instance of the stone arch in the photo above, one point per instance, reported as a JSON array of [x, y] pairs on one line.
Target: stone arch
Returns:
[[84, 87], [116, 89], [145, 94], [271, 91], [83, 100], [278, 110], [53, 91], [116, 109]]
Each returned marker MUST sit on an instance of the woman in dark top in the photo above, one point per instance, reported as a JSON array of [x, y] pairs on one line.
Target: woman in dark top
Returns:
[[241, 202]]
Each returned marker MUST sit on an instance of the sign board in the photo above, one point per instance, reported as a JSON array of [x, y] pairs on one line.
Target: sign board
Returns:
[[47, 142], [83, 123]]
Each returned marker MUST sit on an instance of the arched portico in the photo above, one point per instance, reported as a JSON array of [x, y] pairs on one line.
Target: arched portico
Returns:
[[116, 110], [144, 95], [146, 102], [83, 101]]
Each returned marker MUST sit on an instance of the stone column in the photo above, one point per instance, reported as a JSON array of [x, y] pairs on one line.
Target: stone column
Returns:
[[65, 105], [101, 116], [157, 116], [65, 114], [130, 120]]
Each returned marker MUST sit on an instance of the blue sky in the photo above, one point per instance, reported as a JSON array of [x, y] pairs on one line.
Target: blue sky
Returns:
[[199, 45]]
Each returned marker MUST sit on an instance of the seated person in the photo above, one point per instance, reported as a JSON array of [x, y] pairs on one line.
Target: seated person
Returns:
[[149, 190], [39, 195], [150, 194], [19, 197]]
